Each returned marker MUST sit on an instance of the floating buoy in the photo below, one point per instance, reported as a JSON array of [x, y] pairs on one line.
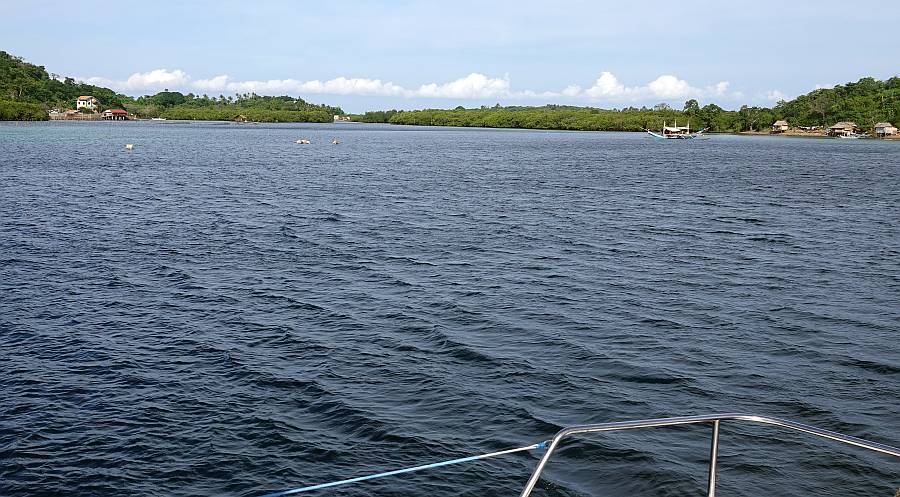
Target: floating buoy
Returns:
[[129, 146], [302, 141]]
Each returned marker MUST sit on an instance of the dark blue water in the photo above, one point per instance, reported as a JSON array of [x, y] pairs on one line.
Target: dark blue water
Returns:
[[224, 312]]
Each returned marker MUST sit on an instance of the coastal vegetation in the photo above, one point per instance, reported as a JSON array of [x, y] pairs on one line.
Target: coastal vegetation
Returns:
[[559, 117], [20, 111], [865, 102], [28, 92], [247, 106], [25, 83]]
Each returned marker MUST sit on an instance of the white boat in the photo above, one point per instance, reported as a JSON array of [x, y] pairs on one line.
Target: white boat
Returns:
[[552, 445], [676, 132], [157, 118]]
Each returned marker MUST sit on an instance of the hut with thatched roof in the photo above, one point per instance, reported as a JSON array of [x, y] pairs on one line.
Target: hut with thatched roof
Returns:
[[780, 126], [843, 128], [885, 129]]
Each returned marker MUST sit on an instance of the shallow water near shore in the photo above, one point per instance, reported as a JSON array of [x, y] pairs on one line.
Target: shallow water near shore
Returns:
[[224, 312]]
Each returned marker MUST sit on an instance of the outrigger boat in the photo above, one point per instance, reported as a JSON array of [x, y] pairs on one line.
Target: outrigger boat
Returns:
[[676, 132]]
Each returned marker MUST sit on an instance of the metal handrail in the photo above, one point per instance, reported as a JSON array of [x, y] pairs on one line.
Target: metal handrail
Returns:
[[714, 419]]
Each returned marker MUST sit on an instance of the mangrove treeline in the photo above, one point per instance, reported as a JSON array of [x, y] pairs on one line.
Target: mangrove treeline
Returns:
[[249, 106], [866, 102]]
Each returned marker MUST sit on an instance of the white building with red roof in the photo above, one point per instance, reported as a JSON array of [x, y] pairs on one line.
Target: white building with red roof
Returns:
[[114, 115], [87, 101]]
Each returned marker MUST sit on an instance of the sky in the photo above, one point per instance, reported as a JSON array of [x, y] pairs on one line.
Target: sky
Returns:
[[429, 54]]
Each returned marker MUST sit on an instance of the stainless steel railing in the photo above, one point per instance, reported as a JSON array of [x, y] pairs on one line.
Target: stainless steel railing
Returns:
[[713, 419]]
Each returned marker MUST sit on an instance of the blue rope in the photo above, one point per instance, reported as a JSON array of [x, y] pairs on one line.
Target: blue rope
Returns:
[[540, 445]]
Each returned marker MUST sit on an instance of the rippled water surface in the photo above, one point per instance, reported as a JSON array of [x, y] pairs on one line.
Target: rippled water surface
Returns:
[[224, 312]]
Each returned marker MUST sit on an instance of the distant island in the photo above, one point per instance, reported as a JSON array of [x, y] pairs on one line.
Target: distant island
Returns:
[[28, 92]]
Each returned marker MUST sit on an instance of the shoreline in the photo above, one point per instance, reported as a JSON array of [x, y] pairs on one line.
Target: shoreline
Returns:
[[787, 134]]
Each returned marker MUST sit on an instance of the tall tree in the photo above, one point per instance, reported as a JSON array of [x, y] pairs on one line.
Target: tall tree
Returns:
[[691, 108]]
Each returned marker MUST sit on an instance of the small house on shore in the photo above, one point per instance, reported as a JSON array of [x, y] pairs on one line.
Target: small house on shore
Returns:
[[843, 128], [885, 129], [114, 115], [780, 126], [87, 102]]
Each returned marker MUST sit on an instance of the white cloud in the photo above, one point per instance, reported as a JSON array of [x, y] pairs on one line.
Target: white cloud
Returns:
[[156, 79], [218, 83], [159, 78], [571, 91], [529, 94], [668, 86], [337, 86], [773, 96], [472, 86], [719, 89], [475, 86], [355, 86], [608, 87]]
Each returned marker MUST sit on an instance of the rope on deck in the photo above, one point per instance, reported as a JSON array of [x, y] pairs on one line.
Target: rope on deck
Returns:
[[539, 445]]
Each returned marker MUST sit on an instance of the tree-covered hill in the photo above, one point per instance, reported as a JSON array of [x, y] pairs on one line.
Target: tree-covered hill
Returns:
[[28, 91], [866, 102], [23, 82], [175, 105]]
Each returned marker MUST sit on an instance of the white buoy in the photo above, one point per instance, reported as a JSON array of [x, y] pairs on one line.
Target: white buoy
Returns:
[[129, 146]]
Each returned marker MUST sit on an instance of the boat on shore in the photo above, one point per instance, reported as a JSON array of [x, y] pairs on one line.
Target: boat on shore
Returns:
[[157, 118], [676, 132]]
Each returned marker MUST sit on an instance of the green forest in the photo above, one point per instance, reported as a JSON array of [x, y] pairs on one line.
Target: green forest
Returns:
[[865, 102], [249, 106], [28, 91], [25, 88]]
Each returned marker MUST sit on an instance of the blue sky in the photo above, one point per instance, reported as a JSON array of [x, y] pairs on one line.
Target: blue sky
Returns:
[[404, 54]]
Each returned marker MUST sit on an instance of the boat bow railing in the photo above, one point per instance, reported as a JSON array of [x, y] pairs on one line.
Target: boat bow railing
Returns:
[[714, 420]]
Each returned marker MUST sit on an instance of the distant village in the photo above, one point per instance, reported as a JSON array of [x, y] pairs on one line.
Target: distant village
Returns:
[[843, 129], [87, 108]]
